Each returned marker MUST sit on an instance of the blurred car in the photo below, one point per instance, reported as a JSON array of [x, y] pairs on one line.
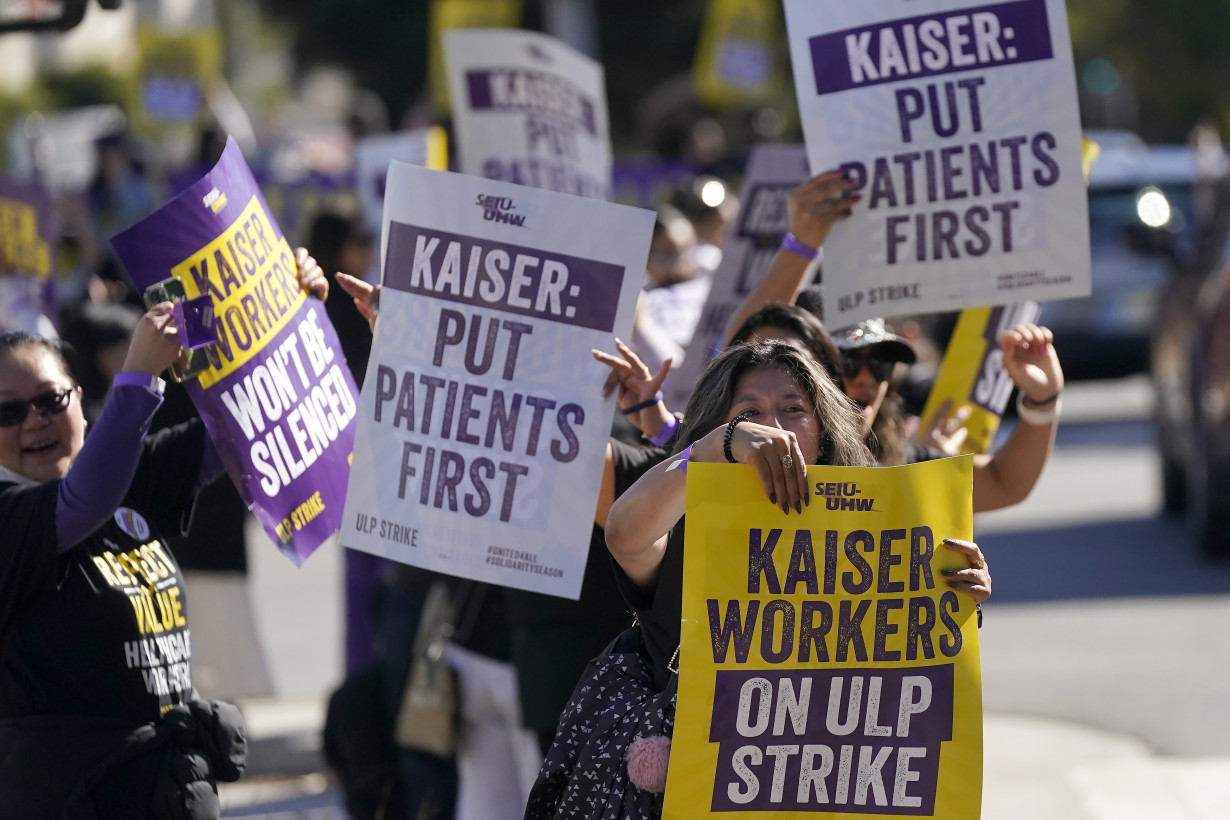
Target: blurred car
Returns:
[[1140, 226], [1191, 374]]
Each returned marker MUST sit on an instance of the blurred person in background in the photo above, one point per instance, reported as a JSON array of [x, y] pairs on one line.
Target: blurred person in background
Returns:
[[708, 203], [98, 335], [342, 243], [676, 287]]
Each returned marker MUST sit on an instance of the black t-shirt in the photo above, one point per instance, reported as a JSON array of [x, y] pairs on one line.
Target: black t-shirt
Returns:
[[659, 610], [553, 638], [102, 629]]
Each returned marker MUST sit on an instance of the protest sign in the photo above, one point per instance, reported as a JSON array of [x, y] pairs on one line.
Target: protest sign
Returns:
[[738, 61], [529, 109], [26, 232], [277, 397], [427, 147], [482, 430], [447, 15], [773, 171], [957, 121], [973, 375], [825, 666]]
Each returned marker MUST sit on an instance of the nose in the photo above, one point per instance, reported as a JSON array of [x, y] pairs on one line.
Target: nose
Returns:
[[34, 420]]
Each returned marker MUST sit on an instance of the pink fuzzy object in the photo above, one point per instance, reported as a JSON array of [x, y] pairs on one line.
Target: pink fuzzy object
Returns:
[[647, 761]]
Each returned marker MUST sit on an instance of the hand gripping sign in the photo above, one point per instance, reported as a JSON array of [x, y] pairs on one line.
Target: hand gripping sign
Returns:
[[826, 669], [482, 430], [274, 391], [957, 121]]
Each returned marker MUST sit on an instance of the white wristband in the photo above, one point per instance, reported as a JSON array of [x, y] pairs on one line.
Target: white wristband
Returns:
[[1030, 415]]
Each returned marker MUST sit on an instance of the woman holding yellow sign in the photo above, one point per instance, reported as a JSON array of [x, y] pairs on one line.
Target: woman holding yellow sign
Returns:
[[764, 404]]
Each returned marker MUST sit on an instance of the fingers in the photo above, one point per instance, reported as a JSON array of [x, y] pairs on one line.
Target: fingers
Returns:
[[655, 384], [969, 549], [779, 462], [353, 286], [311, 276], [975, 581]]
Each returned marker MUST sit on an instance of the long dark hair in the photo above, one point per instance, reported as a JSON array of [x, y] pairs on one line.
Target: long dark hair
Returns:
[[841, 444], [802, 324]]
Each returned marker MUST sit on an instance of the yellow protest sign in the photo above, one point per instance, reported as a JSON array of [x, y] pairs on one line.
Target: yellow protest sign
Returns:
[[738, 59], [447, 15], [174, 74], [826, 669], [973, 375]]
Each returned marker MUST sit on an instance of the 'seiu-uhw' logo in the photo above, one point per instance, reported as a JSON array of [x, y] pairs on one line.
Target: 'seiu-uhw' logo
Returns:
[[500, 209]]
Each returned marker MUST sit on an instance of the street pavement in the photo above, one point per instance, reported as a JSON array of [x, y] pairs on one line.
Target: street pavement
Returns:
[[1104, 649]]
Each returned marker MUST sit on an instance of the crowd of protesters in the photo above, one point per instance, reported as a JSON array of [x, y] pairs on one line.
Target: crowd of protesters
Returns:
[[786, 392]]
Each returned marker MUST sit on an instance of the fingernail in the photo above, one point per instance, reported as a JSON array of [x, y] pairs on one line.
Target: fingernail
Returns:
[[856, 197], [848, 212], [807, 499], [949, 541], [773, 498], [798, 507], [948, 573]]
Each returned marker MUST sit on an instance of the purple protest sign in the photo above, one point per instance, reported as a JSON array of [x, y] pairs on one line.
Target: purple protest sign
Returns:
[[277, 399], [27, 237], [26, 229]]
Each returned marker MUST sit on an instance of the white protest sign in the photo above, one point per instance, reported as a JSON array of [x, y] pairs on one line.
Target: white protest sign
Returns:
[[482, 431], [772, 172], [372, 155], [529, 109], [958, 122]]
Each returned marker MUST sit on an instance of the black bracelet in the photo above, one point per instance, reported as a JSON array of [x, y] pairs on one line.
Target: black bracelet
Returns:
[[730, 431], [1037, 405]]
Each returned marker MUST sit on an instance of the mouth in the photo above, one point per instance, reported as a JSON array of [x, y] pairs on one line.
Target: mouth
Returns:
[[40, 447]]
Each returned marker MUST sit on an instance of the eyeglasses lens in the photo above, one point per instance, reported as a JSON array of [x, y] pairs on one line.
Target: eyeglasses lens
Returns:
[[880, 369]]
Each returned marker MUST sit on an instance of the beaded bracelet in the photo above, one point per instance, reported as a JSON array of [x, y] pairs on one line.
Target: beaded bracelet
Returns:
[[730, 431]]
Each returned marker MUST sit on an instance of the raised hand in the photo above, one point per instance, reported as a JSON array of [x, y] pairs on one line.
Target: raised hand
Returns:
[[1032, 364]]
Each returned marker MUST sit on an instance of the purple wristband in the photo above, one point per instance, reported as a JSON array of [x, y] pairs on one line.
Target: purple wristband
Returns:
[[681, 462], [154, 384], [791, 243], [668, 429]]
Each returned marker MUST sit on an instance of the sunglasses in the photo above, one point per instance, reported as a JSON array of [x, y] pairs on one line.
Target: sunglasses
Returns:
[[51, 403], [880, 369]]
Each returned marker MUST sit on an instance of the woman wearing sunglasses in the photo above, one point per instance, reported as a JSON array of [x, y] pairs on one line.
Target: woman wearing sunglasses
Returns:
[[98, 715], [870, 352]]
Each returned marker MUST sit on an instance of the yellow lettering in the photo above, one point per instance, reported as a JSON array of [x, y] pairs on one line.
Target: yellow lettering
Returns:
[[118, 568], [135, 600], [177, 607], [152, 560], [164, 608], [236, 284], [147, 599], [161, 553], [106, 572]]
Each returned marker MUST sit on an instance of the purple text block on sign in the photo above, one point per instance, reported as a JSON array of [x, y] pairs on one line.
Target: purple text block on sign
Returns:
[[851, 740], [931, 45], [489, 274]]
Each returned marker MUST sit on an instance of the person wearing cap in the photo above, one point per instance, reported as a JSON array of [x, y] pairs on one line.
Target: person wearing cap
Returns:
[[1003, 478]]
